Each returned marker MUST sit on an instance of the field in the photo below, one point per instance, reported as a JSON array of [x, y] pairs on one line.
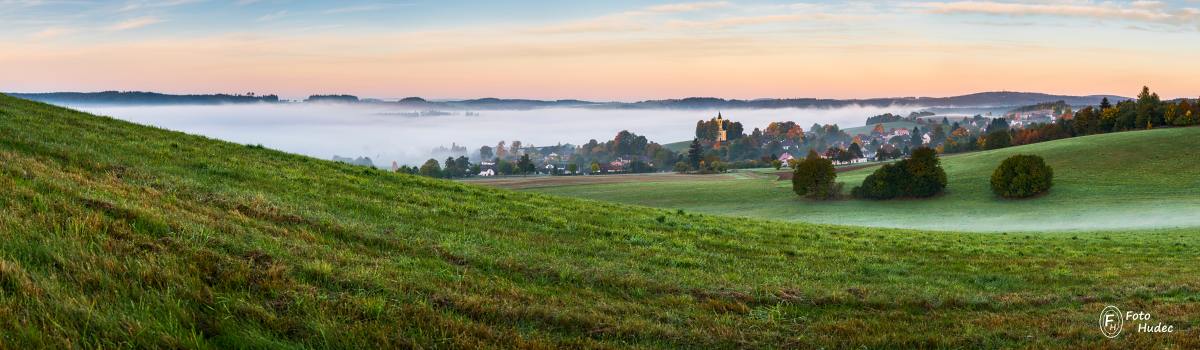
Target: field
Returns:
[[519, 182], [116, 235], [1128, 180]]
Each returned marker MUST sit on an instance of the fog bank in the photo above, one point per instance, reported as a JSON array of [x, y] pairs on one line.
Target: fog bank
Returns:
[[389, 134]]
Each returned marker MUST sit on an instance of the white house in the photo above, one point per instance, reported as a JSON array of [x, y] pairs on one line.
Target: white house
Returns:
[[487, 172]]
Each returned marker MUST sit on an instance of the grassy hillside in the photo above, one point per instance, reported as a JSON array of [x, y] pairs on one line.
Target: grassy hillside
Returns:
[[1128, 180], [679, 147], [115, 235]]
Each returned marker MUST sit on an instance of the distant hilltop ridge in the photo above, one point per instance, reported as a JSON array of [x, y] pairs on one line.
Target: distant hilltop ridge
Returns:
[[989, 99], [142, 98]]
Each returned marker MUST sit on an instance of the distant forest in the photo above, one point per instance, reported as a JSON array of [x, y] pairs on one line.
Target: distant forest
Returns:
[[1058, 107], [333, 98], [700, 103], [143, 98]]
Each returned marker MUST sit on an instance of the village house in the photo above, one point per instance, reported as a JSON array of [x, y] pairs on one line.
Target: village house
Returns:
[[487, 169], [611, 167]]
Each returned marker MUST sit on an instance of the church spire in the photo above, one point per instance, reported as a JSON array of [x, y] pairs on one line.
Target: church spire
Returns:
[[720, 130]]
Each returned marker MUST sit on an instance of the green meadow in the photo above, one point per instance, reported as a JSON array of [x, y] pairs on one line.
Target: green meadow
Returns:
[[1128, 180], [116, 235]]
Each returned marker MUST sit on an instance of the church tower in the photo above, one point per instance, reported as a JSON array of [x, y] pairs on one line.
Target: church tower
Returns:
[[720, 130]]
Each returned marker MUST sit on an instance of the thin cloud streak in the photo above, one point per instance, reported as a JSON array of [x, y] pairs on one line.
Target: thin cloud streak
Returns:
[[1141, 11], [671, 18], [763, 20], [51, 33], [273, 16], [360, 8], [134, 23], [139, 5], [688, 7]]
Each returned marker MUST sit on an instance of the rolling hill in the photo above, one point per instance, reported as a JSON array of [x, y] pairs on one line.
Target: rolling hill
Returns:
[[679, 147], [1127, 180], [142, 98], [992, 99], [117, 235]]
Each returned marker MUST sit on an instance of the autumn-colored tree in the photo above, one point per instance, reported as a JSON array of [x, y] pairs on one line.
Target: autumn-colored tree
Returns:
[[1170, 113], [1183, 113], [783, 130], [501, 151], [1109, 119], [796, 134]]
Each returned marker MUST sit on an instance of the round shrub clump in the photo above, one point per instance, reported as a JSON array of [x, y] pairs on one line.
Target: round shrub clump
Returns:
[[1022, 176], [919, 176], [815, 178]]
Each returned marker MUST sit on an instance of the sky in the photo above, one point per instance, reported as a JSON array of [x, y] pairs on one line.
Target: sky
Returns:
[[615, 50]]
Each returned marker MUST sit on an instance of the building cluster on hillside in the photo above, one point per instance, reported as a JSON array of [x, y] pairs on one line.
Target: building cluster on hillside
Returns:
[[546, 160], [1022, 119], [723, 143]]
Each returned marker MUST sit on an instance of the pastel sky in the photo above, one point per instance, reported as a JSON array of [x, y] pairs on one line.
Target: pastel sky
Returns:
[[601, 50]]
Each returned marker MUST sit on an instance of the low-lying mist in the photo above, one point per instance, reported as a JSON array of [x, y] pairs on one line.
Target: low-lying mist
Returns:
[[387, 134]]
